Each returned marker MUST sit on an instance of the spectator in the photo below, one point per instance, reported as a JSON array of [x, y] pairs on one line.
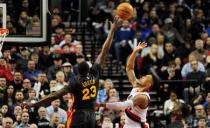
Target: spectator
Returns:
[[102, 94], [207, 80], [170, 53], [59, 33], [178, 63], [7, 122], [68, 40], [171, 73], [198, 99], [67, 70], [23, 23], [24, 120], [144, 29], [207, 47], [54, 120], [123, 35], [53, 85], [11, 28], [207, 102], [32, 96], [35, 58], [17, 81], [60, 78], [26, 86], [9, 95], [171, 33], [79, 49], [160, 40], [107, 122], [1, 119], [192, 120], [6, 54], [44, 58], [197, 75], [198, 24], [122, 121], [200, 53], [41, 86], [186, 32], [65, 101], [67, 55], [208, 116], [151, 60], [17, 114], [112, 95], [43, 121], [5, 110], [55, 108], [19, 97], [160, 44], [3, 83], [170, 103], [52, 70], [5, 70], [202, 122], [56, 23], [177, 117], [31, 73], [23, 59], [187, 68]]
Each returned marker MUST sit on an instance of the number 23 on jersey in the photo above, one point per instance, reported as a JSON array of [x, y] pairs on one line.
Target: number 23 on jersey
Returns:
[[89, 93]]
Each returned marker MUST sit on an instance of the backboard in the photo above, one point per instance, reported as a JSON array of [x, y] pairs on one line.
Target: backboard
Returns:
[[31, 31]]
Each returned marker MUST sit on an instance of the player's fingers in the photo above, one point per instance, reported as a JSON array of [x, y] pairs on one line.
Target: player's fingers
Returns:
[[110, 23], [116, 19], [144, 44]]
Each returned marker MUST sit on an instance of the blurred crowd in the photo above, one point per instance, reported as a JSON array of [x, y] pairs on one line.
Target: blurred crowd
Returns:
[[178, 35]]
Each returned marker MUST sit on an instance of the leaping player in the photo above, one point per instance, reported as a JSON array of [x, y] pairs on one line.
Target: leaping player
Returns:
[[137, 103]]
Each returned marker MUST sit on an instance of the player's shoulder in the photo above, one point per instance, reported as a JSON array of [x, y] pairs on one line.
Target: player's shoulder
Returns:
[[96, 65]]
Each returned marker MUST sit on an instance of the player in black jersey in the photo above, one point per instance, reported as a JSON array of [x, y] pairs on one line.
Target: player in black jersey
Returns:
[[84, 87]]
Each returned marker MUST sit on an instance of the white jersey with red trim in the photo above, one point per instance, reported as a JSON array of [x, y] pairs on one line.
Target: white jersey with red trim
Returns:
[[142, 113]]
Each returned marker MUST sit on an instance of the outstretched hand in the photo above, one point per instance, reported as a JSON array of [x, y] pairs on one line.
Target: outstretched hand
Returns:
[[117, 22], [140, 46]]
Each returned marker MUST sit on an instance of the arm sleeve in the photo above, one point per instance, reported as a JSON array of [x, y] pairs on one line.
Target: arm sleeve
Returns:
[[120, 105]]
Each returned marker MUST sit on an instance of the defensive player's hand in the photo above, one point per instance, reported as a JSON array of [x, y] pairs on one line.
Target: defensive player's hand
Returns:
[[140, 46], [117, 22]]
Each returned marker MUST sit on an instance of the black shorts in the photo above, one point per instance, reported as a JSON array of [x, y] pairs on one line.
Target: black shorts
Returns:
[[83, 118]]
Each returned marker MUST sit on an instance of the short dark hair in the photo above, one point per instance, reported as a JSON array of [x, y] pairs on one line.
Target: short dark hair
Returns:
[[83, 68]]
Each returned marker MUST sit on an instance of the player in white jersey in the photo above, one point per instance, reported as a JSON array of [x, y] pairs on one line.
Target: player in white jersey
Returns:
[[137, 102]]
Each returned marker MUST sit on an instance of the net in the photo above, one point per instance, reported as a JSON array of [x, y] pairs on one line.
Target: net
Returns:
[[3, 34]]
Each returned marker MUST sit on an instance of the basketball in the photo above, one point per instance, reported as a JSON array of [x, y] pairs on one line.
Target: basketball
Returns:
[[125, 11]]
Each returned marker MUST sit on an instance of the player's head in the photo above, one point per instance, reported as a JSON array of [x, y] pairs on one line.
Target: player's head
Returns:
[[146, 82], [83, 68]]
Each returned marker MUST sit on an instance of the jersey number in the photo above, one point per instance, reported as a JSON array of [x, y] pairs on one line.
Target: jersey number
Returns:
[[89, 93]]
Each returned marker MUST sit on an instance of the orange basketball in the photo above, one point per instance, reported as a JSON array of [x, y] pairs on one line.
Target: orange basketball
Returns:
[[125, 11]]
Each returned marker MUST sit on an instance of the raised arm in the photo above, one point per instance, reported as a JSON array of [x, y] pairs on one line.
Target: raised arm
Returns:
[[107, 44], [131, 61], [139, 100]]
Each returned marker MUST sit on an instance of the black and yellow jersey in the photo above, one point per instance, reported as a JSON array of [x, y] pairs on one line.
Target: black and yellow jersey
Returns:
[[85, 88]]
